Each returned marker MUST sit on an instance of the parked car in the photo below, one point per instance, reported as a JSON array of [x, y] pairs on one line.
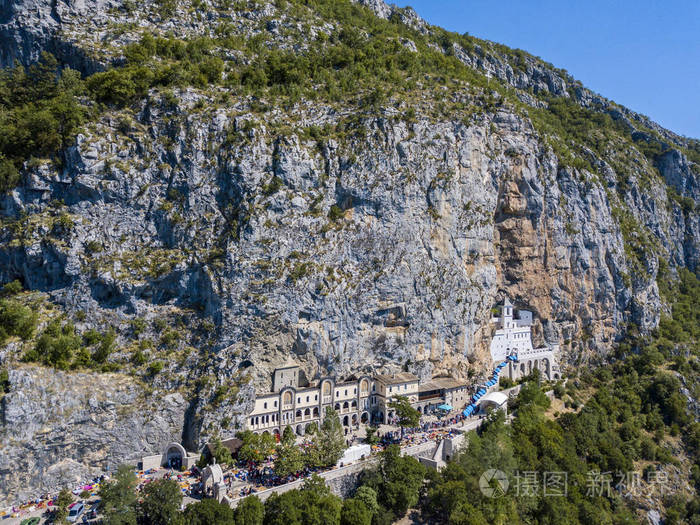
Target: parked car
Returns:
[[75, 512]]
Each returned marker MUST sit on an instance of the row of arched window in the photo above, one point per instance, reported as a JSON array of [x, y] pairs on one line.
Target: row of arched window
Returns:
[[263, 420], [345, 406]]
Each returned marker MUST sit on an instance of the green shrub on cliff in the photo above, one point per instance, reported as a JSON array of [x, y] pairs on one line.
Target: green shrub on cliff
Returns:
[[39, 113], [56, 346], [16, 320]]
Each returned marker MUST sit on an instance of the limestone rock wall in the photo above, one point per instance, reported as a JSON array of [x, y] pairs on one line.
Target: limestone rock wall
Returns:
[[62, 428]]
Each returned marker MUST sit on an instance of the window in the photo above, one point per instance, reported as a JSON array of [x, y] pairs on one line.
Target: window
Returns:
[[346, 391], [390, 389], [405, 387], [298, 399], [354, 391], [307, 399], [275, 404], [316, 397], [264, 405]]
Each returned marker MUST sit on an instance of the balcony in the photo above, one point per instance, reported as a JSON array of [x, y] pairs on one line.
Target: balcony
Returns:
[[327, 399], [425, 397]]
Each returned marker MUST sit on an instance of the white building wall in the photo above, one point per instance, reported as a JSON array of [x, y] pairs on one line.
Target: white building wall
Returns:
[[307, 398], [345, 392], [513, 335]]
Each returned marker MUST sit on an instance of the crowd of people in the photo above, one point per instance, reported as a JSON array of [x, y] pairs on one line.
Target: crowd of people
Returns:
[[259, 477], [427, 431], [47, 502], [188, 480]]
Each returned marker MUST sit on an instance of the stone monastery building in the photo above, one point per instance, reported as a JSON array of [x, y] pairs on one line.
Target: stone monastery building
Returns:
[[298, 404], [363, 399]]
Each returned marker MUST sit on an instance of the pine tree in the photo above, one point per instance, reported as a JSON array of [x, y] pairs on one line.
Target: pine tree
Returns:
[[118, 498], [407, 415], [329, 442]]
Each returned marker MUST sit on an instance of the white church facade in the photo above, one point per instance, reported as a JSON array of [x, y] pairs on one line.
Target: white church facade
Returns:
[[513, 336]]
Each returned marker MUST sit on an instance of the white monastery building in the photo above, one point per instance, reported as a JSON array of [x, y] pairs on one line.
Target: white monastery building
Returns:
[[513, 336]]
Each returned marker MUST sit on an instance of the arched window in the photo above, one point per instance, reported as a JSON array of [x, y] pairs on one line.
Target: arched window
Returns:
[[364, 386], [287, 398]]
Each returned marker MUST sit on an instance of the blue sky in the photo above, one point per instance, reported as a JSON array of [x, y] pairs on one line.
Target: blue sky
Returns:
[[643, 54]]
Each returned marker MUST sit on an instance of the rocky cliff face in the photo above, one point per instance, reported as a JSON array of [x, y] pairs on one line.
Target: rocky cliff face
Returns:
[[382, 243], [59, 428]]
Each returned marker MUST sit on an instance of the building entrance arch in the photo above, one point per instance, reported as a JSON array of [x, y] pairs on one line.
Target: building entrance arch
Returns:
[[174, 456]]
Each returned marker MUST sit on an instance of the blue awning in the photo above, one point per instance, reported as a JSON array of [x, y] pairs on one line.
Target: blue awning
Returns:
[[445, 406]]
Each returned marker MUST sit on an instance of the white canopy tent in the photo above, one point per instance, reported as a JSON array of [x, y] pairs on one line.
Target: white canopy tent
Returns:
[[355, 453]]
